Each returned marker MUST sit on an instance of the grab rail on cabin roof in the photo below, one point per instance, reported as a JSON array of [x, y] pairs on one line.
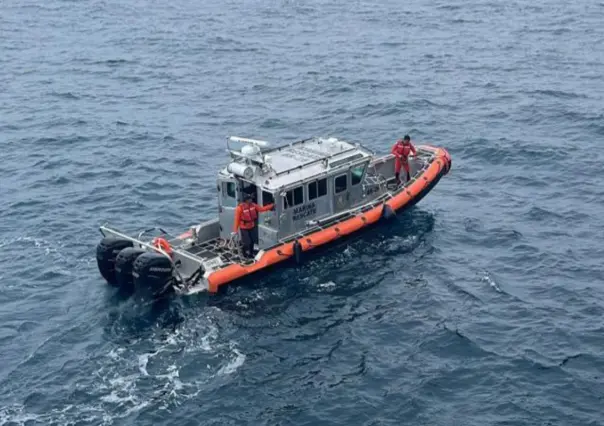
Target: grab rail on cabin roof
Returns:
[[318, 160], [319, 176]]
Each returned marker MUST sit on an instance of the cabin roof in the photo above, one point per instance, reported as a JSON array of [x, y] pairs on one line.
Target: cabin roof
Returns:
[[303, 160]]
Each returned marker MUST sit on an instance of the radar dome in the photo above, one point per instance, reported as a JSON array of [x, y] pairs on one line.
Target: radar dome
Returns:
[[250, 150]]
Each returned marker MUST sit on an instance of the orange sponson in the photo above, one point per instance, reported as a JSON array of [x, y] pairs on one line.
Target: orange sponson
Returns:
[[285, 251], [413, 190], [334, 232], [444, 156]]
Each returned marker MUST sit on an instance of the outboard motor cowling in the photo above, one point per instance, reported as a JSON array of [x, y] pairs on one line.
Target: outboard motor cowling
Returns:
[[106, 253], [153, 275], [123, 268]]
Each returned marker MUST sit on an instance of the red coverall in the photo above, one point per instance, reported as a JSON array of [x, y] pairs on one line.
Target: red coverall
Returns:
[[401, 151], [245, 220]]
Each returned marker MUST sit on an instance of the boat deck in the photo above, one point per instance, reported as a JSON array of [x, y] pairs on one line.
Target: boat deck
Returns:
[[218, 247]]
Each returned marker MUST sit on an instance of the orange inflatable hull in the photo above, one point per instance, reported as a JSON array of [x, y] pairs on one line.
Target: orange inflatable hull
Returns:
[[404, 197]]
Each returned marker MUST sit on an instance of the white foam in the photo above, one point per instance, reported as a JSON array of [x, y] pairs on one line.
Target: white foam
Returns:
[[208, 338], [173, 377], [115, 353], [491, 282], [233, 365], [50, 248], [114, 398], [142, 364], [116, 384], [15, 415], [171, 339]]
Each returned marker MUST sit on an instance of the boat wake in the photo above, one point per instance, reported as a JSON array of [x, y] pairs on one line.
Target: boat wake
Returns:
[[136, 375]]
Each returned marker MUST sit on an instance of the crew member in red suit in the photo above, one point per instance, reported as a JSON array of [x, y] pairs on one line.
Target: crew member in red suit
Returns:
[[246, 215], [401, 150]]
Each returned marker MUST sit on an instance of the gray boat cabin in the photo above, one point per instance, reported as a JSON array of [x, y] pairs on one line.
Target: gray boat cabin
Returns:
[[306, 181]]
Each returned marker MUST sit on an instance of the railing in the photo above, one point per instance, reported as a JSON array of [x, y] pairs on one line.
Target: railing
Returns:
[[147, 245]]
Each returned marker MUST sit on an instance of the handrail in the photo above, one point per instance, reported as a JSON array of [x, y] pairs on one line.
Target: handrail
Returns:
[[322, 175], [140, 235], [147, 245], [318, 160]]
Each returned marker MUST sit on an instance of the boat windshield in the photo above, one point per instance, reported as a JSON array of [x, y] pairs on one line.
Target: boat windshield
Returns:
[[357, 174]]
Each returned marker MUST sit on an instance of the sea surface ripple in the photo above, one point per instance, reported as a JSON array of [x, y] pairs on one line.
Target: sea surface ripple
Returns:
[[483, 305]]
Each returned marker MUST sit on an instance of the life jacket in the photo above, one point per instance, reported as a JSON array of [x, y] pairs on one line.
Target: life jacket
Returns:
[[402, 150], [248, 213]]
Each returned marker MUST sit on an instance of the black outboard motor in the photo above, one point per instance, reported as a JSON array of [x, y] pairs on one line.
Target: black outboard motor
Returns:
[[153, 275], [123, 268], [106, 253]]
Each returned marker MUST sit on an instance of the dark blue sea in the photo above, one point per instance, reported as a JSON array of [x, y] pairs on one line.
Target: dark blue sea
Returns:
[[481, 305]]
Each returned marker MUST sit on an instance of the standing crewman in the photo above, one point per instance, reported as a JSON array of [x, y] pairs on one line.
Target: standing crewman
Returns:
[[246, 215], [401, 150]]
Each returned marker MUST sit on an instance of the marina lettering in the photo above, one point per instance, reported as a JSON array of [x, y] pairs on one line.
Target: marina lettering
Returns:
[[304, 211]]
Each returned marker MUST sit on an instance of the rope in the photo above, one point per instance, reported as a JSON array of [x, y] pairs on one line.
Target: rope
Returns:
[[180, 278], [194, 278], [231, 244]]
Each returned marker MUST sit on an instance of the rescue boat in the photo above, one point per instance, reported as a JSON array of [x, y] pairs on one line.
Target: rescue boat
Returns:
[[323, 189]]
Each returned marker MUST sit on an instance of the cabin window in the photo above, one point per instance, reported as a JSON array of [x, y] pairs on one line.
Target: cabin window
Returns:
[[356, 174], [229, 189], [293, 197], [267, 198], [341, 183], [322, 187], [298, 196], [317, 189]]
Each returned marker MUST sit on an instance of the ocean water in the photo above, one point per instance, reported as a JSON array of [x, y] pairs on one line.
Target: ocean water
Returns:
[[482, 305]]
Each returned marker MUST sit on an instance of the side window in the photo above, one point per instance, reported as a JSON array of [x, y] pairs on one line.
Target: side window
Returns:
[[317, 189], [229, 191], [312, 191], [322, 186], [298, 196], [341, 183], [267, 198], [288, 200], [293, 197], [356, 174]]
